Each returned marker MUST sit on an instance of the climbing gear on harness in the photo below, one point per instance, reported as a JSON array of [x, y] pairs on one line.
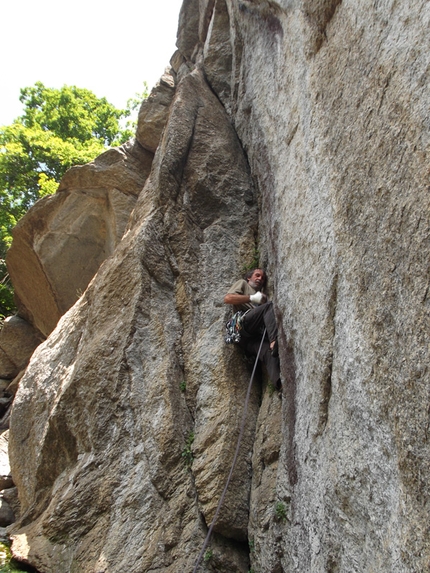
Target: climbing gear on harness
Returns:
[[234, 327], [239, 440]]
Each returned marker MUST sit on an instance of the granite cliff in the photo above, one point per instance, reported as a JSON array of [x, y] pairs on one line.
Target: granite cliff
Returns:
[[297, 131]]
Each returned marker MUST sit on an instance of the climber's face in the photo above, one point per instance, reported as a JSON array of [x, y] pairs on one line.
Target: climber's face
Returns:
[[257, 280]]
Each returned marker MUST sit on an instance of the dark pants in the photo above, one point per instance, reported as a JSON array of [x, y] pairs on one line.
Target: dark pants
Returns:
[[254, 323]]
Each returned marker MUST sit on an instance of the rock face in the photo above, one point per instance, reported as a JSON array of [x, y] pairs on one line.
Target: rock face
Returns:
[[124, 437], [18, 339], [61, 242], [299, 128], [153, 113]]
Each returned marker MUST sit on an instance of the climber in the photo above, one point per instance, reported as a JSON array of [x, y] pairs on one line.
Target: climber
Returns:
[[247, 295]]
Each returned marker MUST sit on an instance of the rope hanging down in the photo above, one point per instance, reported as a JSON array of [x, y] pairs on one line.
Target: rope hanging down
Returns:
[[239, 440]]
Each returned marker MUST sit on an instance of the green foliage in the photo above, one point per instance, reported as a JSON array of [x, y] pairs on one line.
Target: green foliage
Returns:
[[253, 263], [271, 388], [133, 106], [187, 453], [183, 386], [280, 511], [7, 304], [70, 113], [59, 128], [208, 555]]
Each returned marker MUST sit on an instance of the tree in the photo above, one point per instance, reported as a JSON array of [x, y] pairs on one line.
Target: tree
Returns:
[[133, 106], [58, 129]]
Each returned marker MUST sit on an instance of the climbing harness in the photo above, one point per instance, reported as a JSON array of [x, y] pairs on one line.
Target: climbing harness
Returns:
[[234, 327], [239, 440]]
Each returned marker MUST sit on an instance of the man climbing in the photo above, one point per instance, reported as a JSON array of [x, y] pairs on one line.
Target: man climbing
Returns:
[[247, 295]]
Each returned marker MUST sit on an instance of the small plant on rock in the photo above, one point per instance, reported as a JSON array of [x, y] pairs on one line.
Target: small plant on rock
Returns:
[[280, 511], [183, 386], [187, 453], [208, 555], [254, 262], [271, 388]]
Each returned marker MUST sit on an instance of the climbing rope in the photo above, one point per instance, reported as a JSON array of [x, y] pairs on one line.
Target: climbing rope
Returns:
[[239, 440]]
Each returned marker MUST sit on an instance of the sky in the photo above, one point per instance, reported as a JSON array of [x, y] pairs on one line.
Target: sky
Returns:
[[108, 48]]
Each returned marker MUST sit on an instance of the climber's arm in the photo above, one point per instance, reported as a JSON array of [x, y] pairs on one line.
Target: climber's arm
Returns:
[[236, 299]]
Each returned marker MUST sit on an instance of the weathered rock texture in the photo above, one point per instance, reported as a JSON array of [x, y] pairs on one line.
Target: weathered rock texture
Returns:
[[153, 113], [60, 243], [18, 339], [120, 422], [329, 101]]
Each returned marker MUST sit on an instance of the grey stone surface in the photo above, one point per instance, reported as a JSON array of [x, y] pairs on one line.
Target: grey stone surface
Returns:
[[6, 514], [10, 496], [18, 339], [154, 111], [329, 101], [104, 452]]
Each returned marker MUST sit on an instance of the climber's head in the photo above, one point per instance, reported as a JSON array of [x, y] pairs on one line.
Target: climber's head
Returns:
[[256, 278]]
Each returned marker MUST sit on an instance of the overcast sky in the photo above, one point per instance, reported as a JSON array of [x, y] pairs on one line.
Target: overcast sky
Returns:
[[108, 48]]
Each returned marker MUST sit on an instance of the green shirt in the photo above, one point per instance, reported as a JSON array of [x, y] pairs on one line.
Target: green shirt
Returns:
[[242, 287]]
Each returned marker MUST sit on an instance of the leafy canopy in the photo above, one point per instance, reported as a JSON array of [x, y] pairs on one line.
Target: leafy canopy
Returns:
[[58, 129]]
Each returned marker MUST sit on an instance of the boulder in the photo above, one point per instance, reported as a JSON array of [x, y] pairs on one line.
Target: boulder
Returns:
[[18, 339], [12, 387], [61, 242], [153, 112], [10, 496], [4, 383], [6, 514], [8, 368], [123, 168]]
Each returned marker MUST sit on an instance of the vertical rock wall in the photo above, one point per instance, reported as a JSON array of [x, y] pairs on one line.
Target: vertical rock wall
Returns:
[[102, 425], [329, 102]]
